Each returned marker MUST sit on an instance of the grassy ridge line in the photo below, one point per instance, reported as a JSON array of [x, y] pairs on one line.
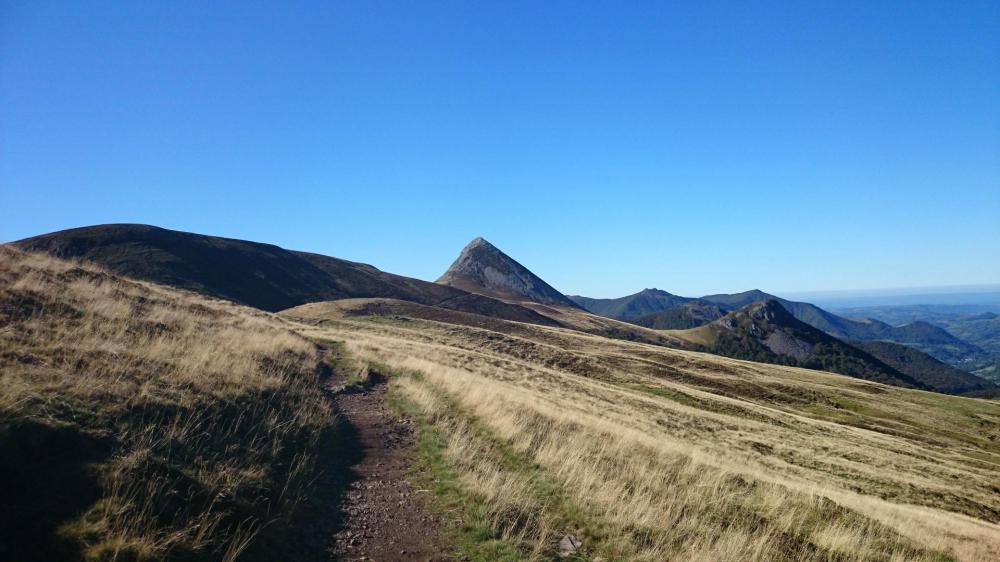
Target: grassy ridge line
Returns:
[[145, 423]]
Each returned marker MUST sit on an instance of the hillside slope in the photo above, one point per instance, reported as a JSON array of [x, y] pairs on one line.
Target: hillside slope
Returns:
[[260, 275], [530, 434], [924, 368], [766, 332], [139, 422], [922, 335]]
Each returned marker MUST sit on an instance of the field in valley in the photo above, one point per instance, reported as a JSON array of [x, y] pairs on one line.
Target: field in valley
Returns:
[[646, 453]]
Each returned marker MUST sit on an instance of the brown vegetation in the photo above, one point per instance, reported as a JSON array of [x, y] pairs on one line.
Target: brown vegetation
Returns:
[[139, 422], [650, 453]]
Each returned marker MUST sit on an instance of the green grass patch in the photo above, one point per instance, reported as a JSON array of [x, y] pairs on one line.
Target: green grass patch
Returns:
[[475, 528], [708, 405]]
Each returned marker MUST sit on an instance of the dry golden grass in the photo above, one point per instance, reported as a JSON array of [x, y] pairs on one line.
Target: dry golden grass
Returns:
[[197, 416], [658, 454]]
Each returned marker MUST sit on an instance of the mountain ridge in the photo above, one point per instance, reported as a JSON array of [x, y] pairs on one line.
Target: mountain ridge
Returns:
[[925, 336], [257, 274], [921, 366], [766, 332], [627, 308]]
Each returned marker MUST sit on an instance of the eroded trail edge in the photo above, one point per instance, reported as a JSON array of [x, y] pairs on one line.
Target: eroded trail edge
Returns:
[[383, 517]]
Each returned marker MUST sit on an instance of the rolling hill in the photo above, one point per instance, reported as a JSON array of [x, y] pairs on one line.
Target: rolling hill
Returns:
[[682, 312], [968, 323], [924, 368], [664, 311], [148, 423], [765, 332], [529, 434], [483, 282], [260, 275], [919, 333]]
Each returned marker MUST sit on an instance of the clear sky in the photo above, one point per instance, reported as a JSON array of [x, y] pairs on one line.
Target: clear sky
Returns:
[[697, 147]]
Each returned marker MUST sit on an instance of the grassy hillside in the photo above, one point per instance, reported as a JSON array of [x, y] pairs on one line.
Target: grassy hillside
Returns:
[[143, 423], [570, 318], [532, 433]]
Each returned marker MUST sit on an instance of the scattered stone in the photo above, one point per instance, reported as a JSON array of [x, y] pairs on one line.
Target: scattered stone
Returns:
[[380, 512], [568, 545]]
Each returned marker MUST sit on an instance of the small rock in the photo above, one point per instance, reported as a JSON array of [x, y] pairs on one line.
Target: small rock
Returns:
[[568, 545]]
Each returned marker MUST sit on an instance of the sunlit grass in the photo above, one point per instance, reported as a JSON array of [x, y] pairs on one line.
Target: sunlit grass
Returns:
[[651, 454], [209, 410]]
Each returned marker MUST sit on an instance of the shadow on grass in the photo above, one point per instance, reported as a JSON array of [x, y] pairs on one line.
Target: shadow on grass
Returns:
[[309, 535], [46, 480]]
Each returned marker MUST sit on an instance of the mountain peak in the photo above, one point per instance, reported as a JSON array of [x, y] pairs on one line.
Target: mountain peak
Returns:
[[482, 268], [479, 241], [739, 300], [762, 314], [770, 310]]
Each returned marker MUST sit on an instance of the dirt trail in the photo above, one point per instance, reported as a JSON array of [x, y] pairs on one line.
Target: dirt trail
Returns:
[[382, 516]]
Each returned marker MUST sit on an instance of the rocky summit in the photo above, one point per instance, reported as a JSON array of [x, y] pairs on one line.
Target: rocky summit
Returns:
[[482, 268]]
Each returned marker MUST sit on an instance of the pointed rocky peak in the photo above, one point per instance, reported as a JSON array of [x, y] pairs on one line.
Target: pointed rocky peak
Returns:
[[762, 314], [482, 268], [769, 311]]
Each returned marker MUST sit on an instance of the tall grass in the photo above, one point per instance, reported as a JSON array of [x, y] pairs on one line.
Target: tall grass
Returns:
[[205, 413], [655, 454]]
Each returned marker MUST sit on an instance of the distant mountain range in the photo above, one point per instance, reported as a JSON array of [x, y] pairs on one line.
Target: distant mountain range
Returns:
[[764, 331], [924, 368], [692, 312], [643, 303], [968, 323], [484, 281]]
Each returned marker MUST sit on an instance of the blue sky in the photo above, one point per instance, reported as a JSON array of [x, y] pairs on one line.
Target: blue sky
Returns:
[[697, 147]]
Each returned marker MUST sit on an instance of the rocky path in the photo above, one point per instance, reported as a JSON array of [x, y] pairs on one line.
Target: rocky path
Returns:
[[382, 516]]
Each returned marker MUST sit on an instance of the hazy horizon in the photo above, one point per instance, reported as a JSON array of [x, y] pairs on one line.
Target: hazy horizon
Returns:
[[698, 148]]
